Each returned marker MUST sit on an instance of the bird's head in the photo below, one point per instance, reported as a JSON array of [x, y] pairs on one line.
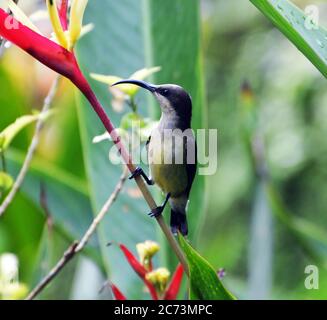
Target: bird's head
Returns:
[[172, 98]]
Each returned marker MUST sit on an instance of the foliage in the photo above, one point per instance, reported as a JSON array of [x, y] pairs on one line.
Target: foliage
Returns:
[[71, 176], [301, 29], [204, 281]]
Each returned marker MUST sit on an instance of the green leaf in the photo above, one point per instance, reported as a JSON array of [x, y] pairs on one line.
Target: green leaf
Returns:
[[204, 281], [309, 38], [128, 36], [6, 182], [9, 133]]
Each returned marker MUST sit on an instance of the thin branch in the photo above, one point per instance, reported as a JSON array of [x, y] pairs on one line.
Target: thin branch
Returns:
[[31, 149], [68, 255], [76, 247], [102, 212]]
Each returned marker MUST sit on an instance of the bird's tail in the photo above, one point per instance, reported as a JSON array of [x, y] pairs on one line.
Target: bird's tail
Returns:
[[178, 222]]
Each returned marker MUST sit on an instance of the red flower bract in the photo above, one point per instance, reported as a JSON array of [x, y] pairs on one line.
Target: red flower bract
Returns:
[[174, 286], [41, 48], [63, 9], [139, 269], [117, 293], [169, 294]]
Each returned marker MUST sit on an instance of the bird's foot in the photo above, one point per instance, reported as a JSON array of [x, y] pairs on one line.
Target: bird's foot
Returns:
[[139, 172], [156, 212]]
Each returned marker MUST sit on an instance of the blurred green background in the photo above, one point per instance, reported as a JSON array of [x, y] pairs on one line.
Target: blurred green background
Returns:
[[264, 236]]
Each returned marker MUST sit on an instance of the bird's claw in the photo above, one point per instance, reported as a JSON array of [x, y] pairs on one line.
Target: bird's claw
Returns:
[[156, 212], [137, 172]]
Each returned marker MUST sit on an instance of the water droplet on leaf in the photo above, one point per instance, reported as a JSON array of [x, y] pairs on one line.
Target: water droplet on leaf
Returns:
[[320, 43]]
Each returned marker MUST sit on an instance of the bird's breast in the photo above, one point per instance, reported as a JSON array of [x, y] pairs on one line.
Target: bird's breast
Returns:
[[166, 160]]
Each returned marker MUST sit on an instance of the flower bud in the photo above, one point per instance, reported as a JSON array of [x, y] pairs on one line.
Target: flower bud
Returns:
[[146, 251], [159, 278]]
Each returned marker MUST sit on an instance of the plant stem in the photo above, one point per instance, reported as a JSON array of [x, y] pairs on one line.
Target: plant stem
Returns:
[[102, 212], [85, 88], [31, 149], [3, 161], [76, 247]]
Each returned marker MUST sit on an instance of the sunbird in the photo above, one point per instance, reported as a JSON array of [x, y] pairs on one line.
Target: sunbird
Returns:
[[171, 151]]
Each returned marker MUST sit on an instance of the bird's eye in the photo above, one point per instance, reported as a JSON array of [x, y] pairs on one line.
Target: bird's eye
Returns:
[[165, 92]]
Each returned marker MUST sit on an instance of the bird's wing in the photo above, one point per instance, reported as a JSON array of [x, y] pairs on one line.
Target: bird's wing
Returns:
[[147, 144]]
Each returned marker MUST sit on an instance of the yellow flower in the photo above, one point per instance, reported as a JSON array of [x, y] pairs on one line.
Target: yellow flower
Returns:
[[56, 24], [66, 38], [146, 251], [76, 20], [159, 278]]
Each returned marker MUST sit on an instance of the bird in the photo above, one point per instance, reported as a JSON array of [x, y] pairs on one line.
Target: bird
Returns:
[[172, 152]]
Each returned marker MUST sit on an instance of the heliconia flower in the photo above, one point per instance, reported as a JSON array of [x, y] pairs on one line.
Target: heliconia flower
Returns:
[[156, 280], [63, 14], [60, 57], [140, 270], [21, 31], [159, 278], [56, 23], [175, 284], [41, 48], [169, 294], [146, 251], [76, 20]]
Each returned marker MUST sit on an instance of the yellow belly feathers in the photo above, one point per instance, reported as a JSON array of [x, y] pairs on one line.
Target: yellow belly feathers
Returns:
[[170, 177]]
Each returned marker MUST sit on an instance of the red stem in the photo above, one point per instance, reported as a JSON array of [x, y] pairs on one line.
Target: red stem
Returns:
[[81, 82]]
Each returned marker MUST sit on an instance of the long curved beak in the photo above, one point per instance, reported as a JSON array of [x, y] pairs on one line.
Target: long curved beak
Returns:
[[140, 83]]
